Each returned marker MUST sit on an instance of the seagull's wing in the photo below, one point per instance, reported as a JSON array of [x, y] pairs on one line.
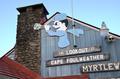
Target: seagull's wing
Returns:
[[76, 32]]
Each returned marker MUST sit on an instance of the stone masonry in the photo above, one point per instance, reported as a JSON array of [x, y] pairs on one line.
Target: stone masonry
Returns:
[[27, 39]]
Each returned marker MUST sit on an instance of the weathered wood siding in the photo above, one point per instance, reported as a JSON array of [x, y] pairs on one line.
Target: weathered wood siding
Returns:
[[88, 39]]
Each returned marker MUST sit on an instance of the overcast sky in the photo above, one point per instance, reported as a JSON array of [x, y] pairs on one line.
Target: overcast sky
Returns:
[[89, 11]]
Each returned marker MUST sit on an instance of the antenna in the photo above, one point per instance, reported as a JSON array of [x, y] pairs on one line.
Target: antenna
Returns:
[[73, 24]]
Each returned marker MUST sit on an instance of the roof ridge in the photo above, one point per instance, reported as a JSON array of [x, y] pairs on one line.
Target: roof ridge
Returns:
[[83, 23]]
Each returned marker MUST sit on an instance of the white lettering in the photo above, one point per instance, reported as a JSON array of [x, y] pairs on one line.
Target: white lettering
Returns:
[[110, 66], [90, 68], [102, 67], [101, 57], [95, 68], [79, 51], [72, 60], [117, 66], [85, 68], [56, 62], [105, 68]]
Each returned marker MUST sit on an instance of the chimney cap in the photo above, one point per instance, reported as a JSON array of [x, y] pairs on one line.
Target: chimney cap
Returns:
[[23, 9], [103, 25]]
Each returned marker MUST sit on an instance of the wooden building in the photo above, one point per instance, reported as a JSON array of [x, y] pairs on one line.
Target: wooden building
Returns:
[[94, 51], [64, 47]]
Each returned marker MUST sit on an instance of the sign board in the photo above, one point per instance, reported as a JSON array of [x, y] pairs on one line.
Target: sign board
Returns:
[[77, 51], [100, 67], [77, 59]]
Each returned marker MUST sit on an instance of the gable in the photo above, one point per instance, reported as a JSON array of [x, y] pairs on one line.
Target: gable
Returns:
[[62, 61]]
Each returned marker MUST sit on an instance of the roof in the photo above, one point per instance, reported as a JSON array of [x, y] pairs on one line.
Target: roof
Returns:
[[82, 23], [22, 9], [13, 69]]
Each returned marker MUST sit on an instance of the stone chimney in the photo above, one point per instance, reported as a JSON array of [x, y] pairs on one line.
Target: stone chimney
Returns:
[[104, 31], [28, 40]]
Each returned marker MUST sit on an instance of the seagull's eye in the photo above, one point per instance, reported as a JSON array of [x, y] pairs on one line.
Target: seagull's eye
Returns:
[[56, 23]]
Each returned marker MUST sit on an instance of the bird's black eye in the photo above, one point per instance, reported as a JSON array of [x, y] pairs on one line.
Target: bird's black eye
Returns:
[[56, 23]]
